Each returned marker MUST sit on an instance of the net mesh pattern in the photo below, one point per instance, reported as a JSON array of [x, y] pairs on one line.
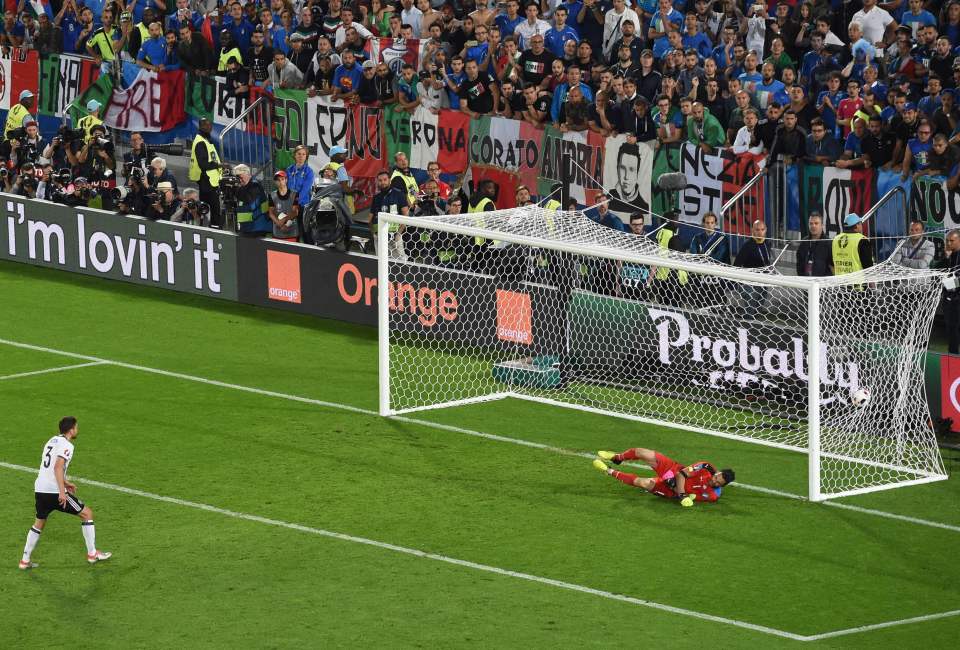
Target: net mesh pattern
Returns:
[[476, 315]]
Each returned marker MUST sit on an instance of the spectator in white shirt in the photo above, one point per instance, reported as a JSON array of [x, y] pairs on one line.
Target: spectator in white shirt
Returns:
[[613, 25], [346, 21], [879, 27], [531, 26], [748, 140]]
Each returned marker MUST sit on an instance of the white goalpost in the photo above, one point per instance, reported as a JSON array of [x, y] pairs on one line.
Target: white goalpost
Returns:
[[552, 307]]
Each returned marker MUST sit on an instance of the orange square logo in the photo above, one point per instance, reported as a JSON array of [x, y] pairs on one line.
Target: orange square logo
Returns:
[[283, 276], [514, 317]]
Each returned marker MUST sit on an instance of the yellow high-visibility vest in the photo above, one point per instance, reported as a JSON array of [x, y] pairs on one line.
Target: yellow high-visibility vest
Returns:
[[479, 221], [15, 118], [87, 122], [195, 173], [664, 235], [229, 54], [411, 184], [846, 253], [102, 44]]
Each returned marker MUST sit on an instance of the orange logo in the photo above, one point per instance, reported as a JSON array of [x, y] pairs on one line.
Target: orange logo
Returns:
[[283, 276], [514, 317]]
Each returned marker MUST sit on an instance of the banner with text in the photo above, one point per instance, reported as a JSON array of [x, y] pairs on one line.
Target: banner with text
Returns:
[[92, 242], [63, 78], [835, 193], [153, 102], [439, 137]]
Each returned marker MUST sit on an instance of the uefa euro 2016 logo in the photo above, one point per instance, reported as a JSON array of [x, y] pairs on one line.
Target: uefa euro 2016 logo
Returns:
[[395, 54]]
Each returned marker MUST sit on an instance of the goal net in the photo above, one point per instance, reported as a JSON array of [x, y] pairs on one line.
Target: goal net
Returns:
[[552, 307]]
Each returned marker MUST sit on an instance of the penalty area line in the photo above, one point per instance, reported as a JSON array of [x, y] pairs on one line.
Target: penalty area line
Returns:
[[529, 577], [452, 429], [45, 371]]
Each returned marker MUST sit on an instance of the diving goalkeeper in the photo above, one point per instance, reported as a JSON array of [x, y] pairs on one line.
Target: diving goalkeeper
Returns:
[[697, 482]]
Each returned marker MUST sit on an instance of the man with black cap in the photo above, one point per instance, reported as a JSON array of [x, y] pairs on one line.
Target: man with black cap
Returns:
[[648, 79], [905, 130], [19, 113], [205, 169], [637, 123], [851, 249]]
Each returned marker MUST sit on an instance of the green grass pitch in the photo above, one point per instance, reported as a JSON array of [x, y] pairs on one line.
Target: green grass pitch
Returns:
[[224, 532]]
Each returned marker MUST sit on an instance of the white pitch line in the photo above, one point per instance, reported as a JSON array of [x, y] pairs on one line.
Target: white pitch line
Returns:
[[487, 436], [570, 586], [880, 626], [48, 370], [454, 429]]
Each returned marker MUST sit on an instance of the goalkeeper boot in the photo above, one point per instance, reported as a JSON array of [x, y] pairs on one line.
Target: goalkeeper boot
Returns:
[[609, 456], [600, 465]]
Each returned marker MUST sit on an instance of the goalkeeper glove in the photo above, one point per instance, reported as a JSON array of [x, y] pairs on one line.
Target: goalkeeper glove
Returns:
[[687, 501]]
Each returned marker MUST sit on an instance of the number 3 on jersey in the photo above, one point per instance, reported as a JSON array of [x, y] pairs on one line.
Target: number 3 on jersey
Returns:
[[46, 457]]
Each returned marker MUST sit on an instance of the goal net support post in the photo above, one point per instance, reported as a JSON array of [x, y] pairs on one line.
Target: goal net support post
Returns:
[[551, 307]]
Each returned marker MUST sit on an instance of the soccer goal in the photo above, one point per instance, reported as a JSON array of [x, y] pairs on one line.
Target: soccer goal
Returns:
[[551, 307]]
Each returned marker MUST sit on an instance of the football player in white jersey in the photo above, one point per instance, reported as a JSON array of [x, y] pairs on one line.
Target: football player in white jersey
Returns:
[[55, 492]]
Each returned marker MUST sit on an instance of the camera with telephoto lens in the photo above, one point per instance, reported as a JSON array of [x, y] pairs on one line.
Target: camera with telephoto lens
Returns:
[[152, 197], [172, 149], [230, 180], [66, 134], [135, 174], [19, 135], [29, 183], [86, 193], [202, 208], [98, 142]]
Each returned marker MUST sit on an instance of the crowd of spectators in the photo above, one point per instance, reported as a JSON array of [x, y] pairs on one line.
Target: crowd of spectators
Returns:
[[858, 84], [853, 84]]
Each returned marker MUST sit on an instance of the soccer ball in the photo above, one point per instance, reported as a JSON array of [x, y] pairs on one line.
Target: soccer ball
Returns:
[[860, 397]]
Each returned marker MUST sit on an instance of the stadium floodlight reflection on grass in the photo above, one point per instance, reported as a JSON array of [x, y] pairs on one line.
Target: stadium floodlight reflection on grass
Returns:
[[551, 307]]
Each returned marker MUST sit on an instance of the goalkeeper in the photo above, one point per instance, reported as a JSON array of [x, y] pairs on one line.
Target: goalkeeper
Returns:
[[697, 482]]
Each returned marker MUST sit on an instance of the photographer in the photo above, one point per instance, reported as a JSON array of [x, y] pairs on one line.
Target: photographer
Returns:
[[163, 203], [23, 183], [45, 184], [137, 156], [96, 158], [23, 145], [429, 204], [79, 193], [192, 209], [253, 218], [63, 148], [132, 197], [158, 174]]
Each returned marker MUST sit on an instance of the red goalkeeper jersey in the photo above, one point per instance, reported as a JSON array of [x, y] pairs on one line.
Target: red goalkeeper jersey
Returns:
[[697, 482]]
